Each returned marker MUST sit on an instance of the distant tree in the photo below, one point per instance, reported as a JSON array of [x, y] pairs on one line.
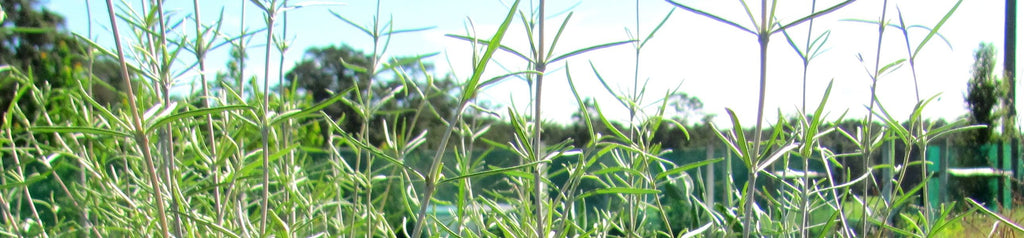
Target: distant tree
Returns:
[[332, 70], [685, 105], [322, 74], [32, 39], [982, 99], [982, 95]]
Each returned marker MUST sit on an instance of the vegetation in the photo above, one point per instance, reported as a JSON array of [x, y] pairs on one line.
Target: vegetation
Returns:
[[350, 143]]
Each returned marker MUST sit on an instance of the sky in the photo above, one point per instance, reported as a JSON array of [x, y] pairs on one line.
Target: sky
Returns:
[[715, 62]]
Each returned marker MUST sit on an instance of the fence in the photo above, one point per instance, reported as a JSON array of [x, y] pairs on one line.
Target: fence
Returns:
[[1002, 169]]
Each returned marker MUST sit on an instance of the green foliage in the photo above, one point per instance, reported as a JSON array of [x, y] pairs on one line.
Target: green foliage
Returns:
[[982, 96], [355, 145]]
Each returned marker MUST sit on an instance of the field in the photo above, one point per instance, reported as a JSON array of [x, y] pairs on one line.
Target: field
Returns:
[[97, 142]]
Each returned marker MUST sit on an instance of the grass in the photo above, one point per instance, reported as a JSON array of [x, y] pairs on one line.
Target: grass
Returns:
[[975, 224], [233, 160]]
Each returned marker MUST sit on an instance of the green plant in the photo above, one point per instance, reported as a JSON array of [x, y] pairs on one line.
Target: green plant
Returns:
[[414, 154]]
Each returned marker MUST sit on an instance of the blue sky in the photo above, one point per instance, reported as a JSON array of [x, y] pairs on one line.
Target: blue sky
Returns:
[[707, 59]]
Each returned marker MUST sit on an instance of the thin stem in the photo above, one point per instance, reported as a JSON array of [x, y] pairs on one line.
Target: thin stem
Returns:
[[90, 152], [166, 138], [286, 128], [201, 58], [762, 39], [632, 118], [367, 104], [264, 124], [918, 127], [7, 218], [139, 133], [805, 209], [241, 54], [871, 108], [538, 148], [431, 179], [21, 173]]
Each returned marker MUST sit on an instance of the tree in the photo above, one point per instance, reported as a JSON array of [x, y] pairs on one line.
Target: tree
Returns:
[[982, 97], [34, 41], [328, 71], [982, 94]]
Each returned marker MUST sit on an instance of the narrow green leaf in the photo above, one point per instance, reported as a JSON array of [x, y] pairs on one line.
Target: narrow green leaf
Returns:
[[584, 50], [618, 190], [28, 30], [897, 26], [258, 4], [395, 32], [353, 24], [470, 91], [407, 60], [750, 16], [775, 156], [687, 167], [812, 130], [818, 44], [194, 113], [831, 221], [206, 222], [940, 133], [493, 171], [891, 67], [558, 35], [31, 180], [604, 83], [697, 232], [580, 105], [814, 15], [935, 29], [14, 102], [487, 42], [357, 68], [308, 111], [608, 124], [656, 28], [712, 16], [741, 140], [78, 129], [282, 227], [499, 78], [792, 44]]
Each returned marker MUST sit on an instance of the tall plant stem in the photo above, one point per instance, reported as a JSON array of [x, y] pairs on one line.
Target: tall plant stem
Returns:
[[141, 139], [21, 173], [762, 39], [871, 108], [538, 148], [271, 12], [90, 152], [805, 195], [632, 118], [201, 58], [166, 137], [286, 128], [431, 179]]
